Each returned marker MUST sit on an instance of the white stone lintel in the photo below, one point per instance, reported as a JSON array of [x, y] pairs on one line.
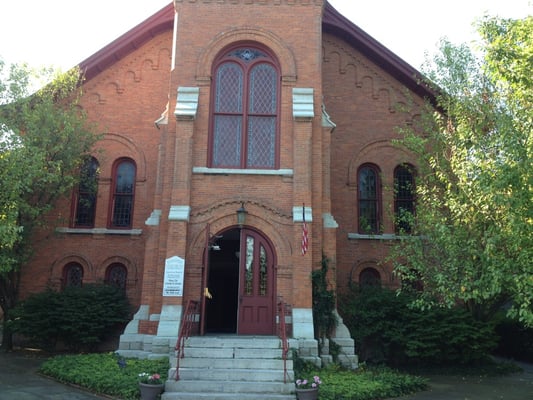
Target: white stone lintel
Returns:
[[187, 103], [179, 213], [303, 106], [298, 214]]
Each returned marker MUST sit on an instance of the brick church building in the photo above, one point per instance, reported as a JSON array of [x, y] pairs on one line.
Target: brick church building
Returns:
[[281, 112]]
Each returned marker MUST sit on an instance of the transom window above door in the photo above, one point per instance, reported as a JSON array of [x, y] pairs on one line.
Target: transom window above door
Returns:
[[244, 130]]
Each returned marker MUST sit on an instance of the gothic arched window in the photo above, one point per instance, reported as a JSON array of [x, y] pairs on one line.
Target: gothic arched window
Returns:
[[404, 198], [245, 103], [117, 275], [369, 199], [123, 193], [369, 277], [85, 197], [72, 275]]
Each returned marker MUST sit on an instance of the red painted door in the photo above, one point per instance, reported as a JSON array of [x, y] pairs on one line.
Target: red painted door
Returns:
[[256, 285]]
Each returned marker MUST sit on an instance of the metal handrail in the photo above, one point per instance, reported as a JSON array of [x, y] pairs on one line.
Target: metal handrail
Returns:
[[283, 336], [187, 322]]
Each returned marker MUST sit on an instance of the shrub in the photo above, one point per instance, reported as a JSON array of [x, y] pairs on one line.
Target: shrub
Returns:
[[78, 317], [339, 383], [102, 373], [515, 340], [386, 329], [324, 318], [365, 384]]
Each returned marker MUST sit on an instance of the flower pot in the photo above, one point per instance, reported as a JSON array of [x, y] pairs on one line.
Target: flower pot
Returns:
[[150, 392], [307, 394]]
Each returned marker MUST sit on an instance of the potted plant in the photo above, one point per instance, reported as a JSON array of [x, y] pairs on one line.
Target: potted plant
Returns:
[[307, 389], [151, 385]]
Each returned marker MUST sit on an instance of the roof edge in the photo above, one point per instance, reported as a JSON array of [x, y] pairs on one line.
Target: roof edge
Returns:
[[334, 22], [159, 22]]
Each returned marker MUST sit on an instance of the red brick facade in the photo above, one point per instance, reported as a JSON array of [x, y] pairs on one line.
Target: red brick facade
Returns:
[[132, 94]]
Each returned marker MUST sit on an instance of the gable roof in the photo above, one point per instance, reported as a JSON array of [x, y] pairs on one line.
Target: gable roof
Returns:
[[161, 21], [332, 22], [335, 23]]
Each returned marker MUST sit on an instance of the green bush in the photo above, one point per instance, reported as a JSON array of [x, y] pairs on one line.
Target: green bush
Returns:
[[102, 373], [387, 330], [363, 384], [324, 318], [80, 318], [514, 340]]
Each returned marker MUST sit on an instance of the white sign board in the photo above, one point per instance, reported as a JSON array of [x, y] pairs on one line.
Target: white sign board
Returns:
[[174, 276]]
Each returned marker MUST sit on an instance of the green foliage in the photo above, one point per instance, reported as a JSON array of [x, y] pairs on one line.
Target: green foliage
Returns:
[[77, 317], [324, 318], [101, 373], [387, 329], [473, 229], [364, 384], [515, 340], [44, 138]]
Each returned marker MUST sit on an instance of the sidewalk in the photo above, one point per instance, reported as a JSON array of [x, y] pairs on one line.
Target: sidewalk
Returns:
[[517, 386], [19, 380]]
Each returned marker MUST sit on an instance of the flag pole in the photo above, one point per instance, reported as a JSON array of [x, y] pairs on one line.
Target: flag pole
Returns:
[[305, 238]]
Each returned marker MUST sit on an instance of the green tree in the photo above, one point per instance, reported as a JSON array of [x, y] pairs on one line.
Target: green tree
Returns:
[[44, 137], [473, 229]]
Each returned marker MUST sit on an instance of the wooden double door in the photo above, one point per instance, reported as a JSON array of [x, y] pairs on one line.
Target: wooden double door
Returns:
[[241, 282]]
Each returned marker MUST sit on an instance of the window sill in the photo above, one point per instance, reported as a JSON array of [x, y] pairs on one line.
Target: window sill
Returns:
[[231, 171], [100, 231]]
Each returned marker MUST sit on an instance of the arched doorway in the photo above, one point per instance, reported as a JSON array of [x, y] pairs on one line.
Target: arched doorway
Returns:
[[241, 280]]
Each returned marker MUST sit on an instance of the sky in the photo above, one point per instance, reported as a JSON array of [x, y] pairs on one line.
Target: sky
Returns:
[[62, 33]]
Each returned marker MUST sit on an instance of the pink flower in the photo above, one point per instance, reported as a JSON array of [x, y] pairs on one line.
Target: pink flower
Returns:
[[307, 384]]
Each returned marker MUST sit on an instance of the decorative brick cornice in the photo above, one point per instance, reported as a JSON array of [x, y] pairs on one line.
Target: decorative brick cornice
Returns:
[[269, 39]]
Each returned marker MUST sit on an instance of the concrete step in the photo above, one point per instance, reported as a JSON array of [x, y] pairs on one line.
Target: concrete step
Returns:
[[253, 342], [231, 367], [230, 363], [233, 374], [234, 386], [226, 396], [232, 352]]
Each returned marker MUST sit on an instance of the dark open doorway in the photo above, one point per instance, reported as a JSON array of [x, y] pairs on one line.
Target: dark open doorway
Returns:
[[241, 281], [223, 284]]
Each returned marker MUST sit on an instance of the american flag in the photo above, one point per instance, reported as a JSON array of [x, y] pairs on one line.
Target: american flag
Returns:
[[305, 238]]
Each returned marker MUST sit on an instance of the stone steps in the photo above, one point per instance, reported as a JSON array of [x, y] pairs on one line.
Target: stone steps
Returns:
[[231, 367]]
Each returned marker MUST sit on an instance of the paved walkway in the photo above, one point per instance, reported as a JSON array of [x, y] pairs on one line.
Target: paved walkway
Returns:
[[517, 386], [19, 381]]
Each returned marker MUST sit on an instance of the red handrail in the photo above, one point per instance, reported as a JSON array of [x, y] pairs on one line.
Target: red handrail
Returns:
[[283, 336], [187, 322]]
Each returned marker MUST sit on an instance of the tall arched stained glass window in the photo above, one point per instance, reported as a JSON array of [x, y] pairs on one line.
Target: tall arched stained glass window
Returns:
[[404, 198], [85, 197], [123, 194], [368, 199], [244, 122]]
